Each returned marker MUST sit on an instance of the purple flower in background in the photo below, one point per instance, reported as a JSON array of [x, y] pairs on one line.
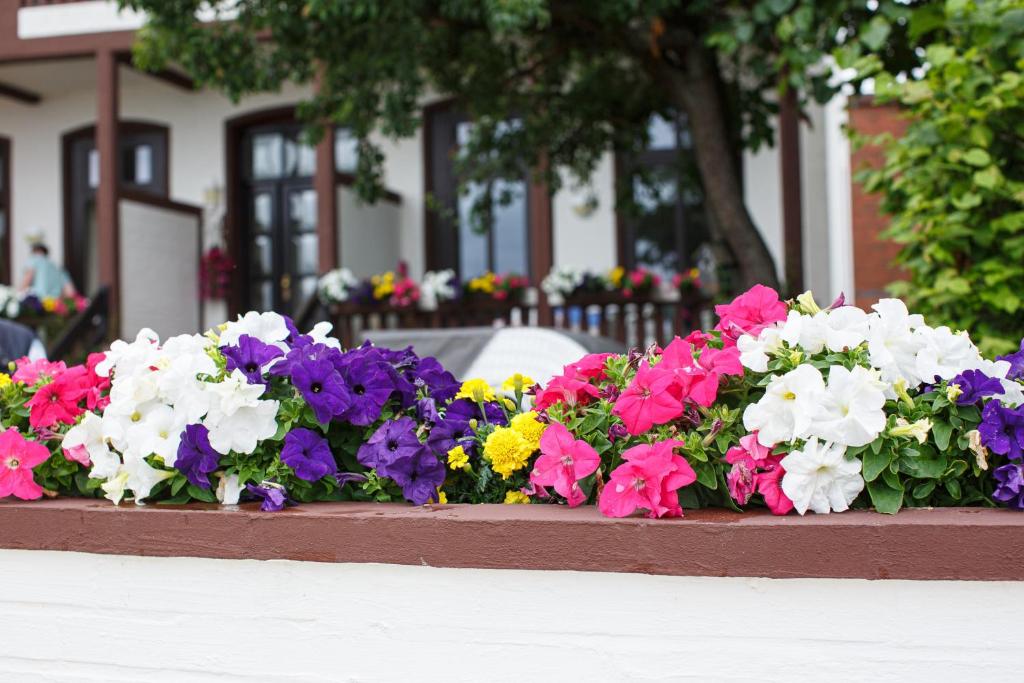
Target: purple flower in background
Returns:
[[274, 496], [419, 474], [196, 457], [974, 386], [1002, 430], [392, 440], [448, 434], [1010, 485], [1016, 361], [370, 386], [308, 454], [251, 356], [322, 387]]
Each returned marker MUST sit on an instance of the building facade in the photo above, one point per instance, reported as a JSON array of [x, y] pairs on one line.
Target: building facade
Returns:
[[194, 170]]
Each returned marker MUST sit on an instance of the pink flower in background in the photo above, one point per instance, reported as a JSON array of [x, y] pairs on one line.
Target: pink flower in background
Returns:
[[698, 339], [30, 371], [750, 312], [648, 480], [564, 460], [651, 398], [566, 390], [17, 458]]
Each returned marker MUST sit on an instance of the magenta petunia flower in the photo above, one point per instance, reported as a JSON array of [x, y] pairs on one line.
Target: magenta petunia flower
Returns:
[[750, 312], [648, 480], [653, 397], [17, 458], [563, 461]]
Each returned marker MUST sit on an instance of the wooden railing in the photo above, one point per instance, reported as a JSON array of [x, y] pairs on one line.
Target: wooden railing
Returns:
[[86, 332], [39, 3], [631, 321]]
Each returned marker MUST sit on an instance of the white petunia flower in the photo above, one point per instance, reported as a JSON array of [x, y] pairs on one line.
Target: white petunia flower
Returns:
[[137, 476], [755, 351], [229, 490], [269, 328], [321, 334], [846, 327], [892, 345], [127, 357], [88, 434], [242, 430], [819, 477], [233, 393], [943, 353], [158, 433], [852, 409], [805, 331], [336, 285], [787, 409]]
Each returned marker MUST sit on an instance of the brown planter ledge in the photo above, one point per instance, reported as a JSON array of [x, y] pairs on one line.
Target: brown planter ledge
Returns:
[[951, 543]]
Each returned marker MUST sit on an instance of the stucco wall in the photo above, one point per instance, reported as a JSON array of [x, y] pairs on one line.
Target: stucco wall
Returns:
[[80, 617]]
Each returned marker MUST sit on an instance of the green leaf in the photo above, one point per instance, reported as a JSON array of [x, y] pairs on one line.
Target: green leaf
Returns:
[[941, 431], [706, 477], [778, 7], [875, 33], [922, 491], [988, 178], [884, 498], [953, 487], [874, 463], [976, 156]]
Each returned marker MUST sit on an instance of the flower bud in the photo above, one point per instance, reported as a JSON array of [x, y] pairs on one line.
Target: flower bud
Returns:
[[913, 430], [806, 304]]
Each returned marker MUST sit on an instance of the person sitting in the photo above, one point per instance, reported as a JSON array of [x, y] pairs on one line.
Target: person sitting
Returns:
[[44, 278], [18, 341]]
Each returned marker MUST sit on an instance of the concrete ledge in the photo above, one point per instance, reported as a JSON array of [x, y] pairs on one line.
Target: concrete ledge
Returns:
[[951, 543]]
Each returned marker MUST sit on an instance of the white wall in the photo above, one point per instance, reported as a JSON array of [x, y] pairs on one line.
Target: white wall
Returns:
[[159, 270], [371, 234], [584, 237], [762, 190], [814, 198], [78, 617]]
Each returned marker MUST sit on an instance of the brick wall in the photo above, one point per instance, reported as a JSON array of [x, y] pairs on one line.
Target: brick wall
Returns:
[[872, 256]]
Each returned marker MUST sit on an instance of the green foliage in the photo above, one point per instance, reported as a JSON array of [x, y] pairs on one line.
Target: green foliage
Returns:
[[954, 183]]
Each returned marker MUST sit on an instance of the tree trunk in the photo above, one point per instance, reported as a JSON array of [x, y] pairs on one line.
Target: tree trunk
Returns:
[[695, 91]]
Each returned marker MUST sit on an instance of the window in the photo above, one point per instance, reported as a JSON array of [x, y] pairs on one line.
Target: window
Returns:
[[5, 212], [451, 238], [667, 221]]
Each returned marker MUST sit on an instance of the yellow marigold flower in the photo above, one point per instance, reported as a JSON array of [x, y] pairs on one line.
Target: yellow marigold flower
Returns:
[[442, 497], [477, 390], [518, 383], [49, 304], [507, 451], [516, 498], [4, 380], [616, 275], [529, 427], [457, 458]]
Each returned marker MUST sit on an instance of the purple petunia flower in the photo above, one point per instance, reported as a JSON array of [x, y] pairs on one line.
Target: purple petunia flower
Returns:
[[617, 431], [440, 384], [196, 457], [308, 454], [392, 440], [371, 387], [1002, 430], [322, 387], [426, 410], [419, 474], [449, 433], [974, 386], [251, 356], [274, 496], [466, 410], [1010, 485], [1016, 361]]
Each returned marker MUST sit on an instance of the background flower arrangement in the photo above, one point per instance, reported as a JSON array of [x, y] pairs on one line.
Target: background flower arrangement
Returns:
[[783, 405]]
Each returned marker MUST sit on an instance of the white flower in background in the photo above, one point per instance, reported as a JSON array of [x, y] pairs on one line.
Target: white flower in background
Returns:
[[88, 434], [269, 328], [852, 408], [892, 345], [561, 282], [437, 286], [819, 477], [805, 331], [336, 285], [321, 334], [10, 305], [788, 406], [846, 327], [229, 490], [242, 430], [943, 353], [755, 351], [159, 433]]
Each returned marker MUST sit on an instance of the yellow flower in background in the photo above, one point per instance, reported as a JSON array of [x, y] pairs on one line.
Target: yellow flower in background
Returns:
[[516, 498], [442, 497], [383, 285], [518, 383], [457, 458], [507, 451], [49, 304], [483, 284], [615, 276], [477, 390], [529, 428], [5, 380]]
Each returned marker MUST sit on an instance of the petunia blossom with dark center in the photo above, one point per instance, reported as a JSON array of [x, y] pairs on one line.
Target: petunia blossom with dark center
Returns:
[[196, 457], [974, 386], [419, 474], [308, 454], [392, 440], [371, 387], [322, 387], [251, 356]]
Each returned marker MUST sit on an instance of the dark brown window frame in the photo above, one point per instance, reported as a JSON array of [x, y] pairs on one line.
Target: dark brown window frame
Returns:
[[5, 206]]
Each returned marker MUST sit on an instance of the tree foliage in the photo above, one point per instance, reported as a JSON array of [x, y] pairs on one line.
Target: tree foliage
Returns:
[[954, 183], [581, 77]]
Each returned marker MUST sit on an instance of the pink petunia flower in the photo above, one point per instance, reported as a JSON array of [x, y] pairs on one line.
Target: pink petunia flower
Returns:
[[17, 458], [567, 390], [756, 469], [698, 339], [769, 485], [563, 461], [750, 312], [57, 401], [31, 371], [651, 398], [721, 361], [79, 454], [648, 480], [589, 367]]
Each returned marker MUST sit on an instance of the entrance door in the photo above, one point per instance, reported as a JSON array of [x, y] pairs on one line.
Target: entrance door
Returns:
[[279, 218], [143, 168]]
